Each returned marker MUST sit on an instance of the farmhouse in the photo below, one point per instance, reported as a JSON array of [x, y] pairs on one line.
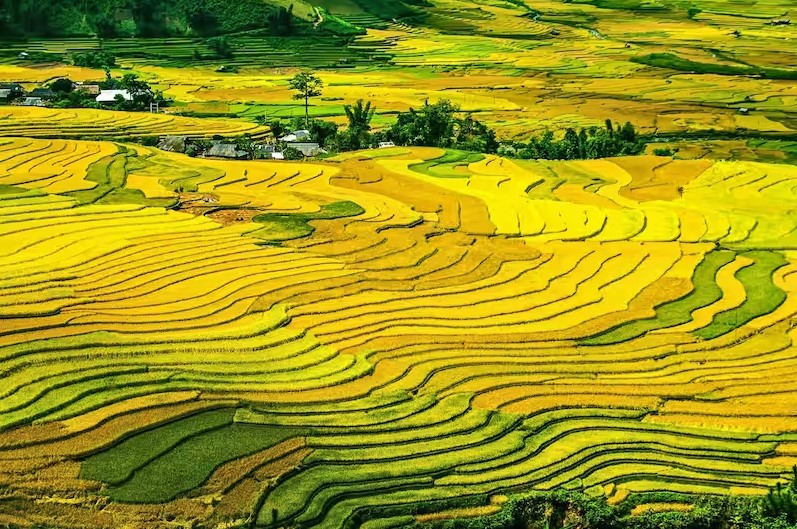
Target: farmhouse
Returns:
[[264, 151], [90, 89], [43, 93], [173, 143], [107, 97], [296, 135], [5, 95], [33, 102], [227, 150], [307, 148], [14, 87]]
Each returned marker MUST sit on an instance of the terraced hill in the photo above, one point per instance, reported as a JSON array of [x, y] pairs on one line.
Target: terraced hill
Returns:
[[327, 344], [35, 122]]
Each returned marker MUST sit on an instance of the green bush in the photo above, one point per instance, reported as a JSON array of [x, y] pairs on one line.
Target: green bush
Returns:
[[292, 153], [94, 59]]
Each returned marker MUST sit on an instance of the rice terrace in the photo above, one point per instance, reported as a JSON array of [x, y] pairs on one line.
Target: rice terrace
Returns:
[[420, 264]]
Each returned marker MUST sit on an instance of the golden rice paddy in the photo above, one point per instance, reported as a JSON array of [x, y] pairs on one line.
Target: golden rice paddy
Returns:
[[603, 329]]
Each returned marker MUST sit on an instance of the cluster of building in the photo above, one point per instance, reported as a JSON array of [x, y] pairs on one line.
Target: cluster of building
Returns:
[[39, 97], [298, 140]]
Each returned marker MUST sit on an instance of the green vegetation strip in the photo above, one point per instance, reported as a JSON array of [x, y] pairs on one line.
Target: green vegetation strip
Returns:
[[117, 464], [446, 166], [192, 462], [110, 175], [673, 62], [763, 296], [706, 291], [160, 464], [286, 226]]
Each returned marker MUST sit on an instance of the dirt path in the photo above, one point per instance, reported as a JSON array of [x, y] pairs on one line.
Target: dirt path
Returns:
[[320, 18]]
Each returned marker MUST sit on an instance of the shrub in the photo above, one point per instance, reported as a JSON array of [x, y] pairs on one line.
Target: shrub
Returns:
[[292, 153]]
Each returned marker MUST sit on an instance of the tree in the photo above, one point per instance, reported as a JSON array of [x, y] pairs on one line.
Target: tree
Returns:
[[306, 85], [473, 135], [62, 85], [280, 22], [322, 131], [203, 21], [105, 25], [278, 128], [94, 59], [781, 500], [292, 153], [149, 17], [359, 115], [436, 125], [220, 46], [247, 144], [136, 87]]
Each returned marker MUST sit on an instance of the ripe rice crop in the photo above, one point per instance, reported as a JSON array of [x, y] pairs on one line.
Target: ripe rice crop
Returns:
[[445, 327]]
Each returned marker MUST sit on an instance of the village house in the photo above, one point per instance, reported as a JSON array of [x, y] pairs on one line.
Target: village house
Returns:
[[5, 95], [173, 143], [227, 150], [89, 89], [42, 93], [297, 135], [308, 149], [33, 102], [14, 89]]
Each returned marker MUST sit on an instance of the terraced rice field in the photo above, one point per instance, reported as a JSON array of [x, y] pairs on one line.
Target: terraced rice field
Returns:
[[37, 122], [364, 336], [520, 67]]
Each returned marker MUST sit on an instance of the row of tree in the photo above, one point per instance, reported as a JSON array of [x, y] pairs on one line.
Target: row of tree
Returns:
[[435, 125], [443, 124], [583, 144]]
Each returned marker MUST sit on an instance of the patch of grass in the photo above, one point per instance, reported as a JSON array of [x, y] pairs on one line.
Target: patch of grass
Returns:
[[673, 62], [763, 296], [287, 226], [446, 165], [787, 148], [6, 189], [190, 463], [110, 174], [117, 464]]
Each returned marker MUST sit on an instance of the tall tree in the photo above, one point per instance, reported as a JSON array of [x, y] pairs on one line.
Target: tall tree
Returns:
[[359, 115], [306, 85]]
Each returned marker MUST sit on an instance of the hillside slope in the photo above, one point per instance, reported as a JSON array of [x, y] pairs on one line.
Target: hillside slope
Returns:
[[143, 18]]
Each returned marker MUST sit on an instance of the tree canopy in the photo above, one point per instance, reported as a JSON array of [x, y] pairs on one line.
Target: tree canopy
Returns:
[[306, 85], [140, 18]]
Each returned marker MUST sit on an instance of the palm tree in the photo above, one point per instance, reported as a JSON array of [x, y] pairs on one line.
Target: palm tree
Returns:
[[359, 115]]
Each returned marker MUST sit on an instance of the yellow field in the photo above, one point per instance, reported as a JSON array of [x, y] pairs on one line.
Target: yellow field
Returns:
[[494, 334]]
